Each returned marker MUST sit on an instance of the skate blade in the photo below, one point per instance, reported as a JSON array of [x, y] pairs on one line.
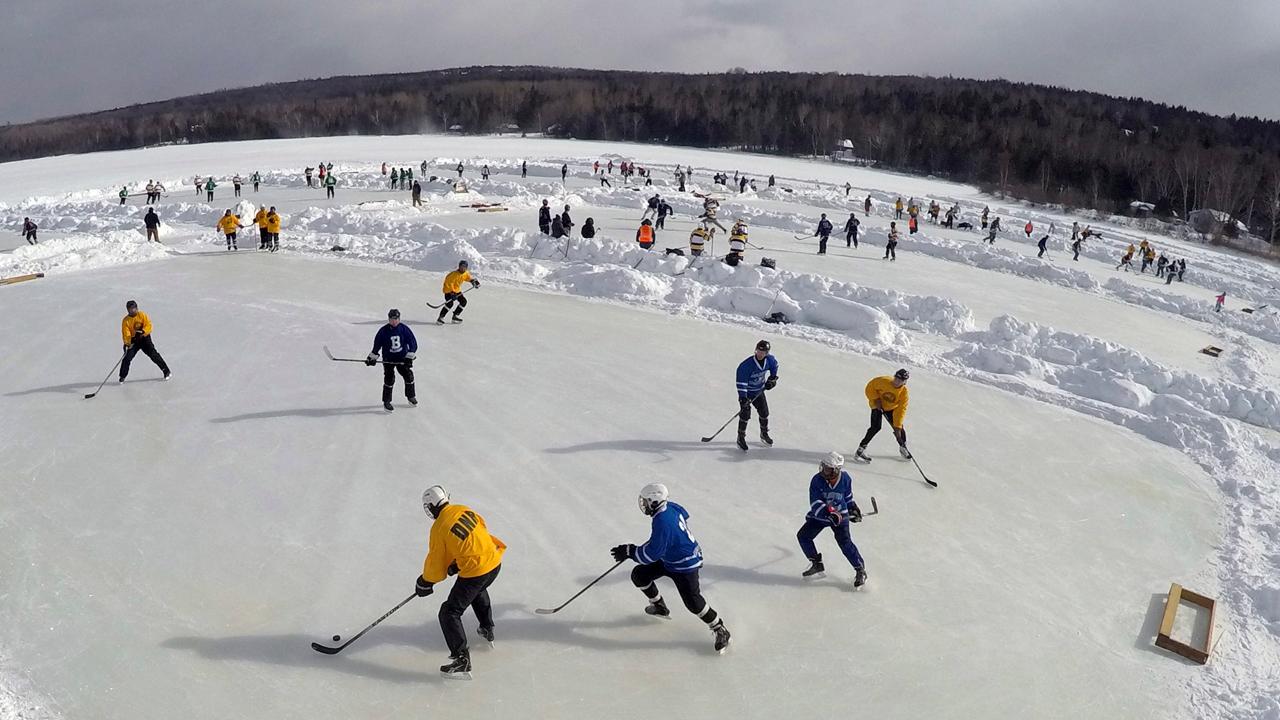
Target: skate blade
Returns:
[[815, 576], [457, 675]]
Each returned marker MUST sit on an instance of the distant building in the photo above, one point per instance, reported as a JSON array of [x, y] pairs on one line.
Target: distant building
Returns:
[[845, 152]]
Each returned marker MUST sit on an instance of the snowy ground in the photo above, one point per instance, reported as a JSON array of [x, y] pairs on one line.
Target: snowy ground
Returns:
[[172, 549]]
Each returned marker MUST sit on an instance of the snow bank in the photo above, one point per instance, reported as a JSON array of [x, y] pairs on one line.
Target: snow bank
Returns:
[[1104, 371], [80, 252], [1265, 326]]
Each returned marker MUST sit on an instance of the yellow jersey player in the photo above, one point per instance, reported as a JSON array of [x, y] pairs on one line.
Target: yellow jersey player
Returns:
[[460, 545], [887, 397], [453, 292]]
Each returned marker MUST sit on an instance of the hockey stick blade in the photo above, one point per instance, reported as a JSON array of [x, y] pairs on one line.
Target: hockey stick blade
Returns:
[[926, 477], [326, 650]]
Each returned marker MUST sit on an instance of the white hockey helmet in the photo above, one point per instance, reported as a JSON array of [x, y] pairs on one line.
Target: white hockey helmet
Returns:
[[434, 498], [832, 461], [652, 497]]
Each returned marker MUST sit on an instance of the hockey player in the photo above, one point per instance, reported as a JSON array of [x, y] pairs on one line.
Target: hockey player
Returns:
[[986, 210], [1160, 264], [415, 194], [260, 220], [1127, 259], [664, 209], [256, 178], [991, 234], [29, 229], [891, 247], [564, 173], [273, 228], [151, 222], [228, 224], [209, 185], [1077, 245], [1028, 229], [848, 188], [912, 224], [484, 172], [544, 218], [897, 209], [755, 375], [851, 230], [831, 505], [1043, 245], [887, 397], [236, 182], [824, 234], [124, 195], [697, 241], [1219, 301], [737, 245], [460, 544], [398, 346], [136, 330], [557, 227], [459, 169], [670, 552], [330, 181], [524, 168], [151, 191], [452, 289]]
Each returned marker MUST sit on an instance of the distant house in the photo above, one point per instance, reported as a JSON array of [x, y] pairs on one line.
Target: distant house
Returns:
[[455, 128], [845, 152], [1140, 209]]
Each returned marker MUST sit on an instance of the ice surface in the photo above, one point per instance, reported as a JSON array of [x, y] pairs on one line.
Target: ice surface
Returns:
[[171, 549]]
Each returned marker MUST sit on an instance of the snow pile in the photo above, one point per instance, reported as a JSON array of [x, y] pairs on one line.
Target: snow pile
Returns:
[[80, 252], [1265, 326], [1106, 372]]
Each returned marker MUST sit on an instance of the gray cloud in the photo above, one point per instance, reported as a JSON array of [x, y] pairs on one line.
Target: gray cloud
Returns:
[[65, 56]]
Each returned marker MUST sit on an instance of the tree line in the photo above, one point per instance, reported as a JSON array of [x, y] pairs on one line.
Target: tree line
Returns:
[[1038, 143]]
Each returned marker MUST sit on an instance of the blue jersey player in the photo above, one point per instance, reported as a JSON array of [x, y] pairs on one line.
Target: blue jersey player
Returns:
[[755, 375], [831, 505], [670, 552], [398, 346]]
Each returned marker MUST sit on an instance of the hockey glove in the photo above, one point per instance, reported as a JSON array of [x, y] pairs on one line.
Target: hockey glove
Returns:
[[771, 383], [623, 552], [422, 587], [126, 349], [475, 283], [371, 360], [453, 568], [855, 512], [410, 356], [833, 516]]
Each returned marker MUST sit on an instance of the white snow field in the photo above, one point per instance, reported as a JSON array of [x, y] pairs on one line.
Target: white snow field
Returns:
[[172, 549]]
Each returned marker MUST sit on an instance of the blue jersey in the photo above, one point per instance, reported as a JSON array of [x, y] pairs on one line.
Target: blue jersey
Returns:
[[394, 342], [821, 494], [670, 542], [751, 375]]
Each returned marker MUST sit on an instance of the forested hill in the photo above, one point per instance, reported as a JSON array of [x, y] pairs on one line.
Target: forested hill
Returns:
[[1039, 143]]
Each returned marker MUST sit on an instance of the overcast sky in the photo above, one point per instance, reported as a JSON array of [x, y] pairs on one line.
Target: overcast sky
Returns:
[[67, 56]]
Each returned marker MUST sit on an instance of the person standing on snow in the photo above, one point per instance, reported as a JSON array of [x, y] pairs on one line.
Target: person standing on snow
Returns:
[[1044, 245], [824, 234], [664, 209], [1028, 228], [29, 229], [544, 218], [1219, 301], [897, 209], [236, 182], [460, 544], [124, 194], [754, 376], [566, 222], [831, 505], [398, 347], [588, 229], [136, 330], [330, 181], [671, 552], [866, 206], [151, 222], [887, 397], [995, 228], [416, 194], [851, 230], [564, 173], [273, 228], [209, 185], [452, 289], [260, 219]]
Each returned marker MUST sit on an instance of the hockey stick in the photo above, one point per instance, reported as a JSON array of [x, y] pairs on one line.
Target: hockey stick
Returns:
[[108, 377], [804, 237], [731, 419], [335, 650], [338, 359], [552, 611], [464, 292], [875, 508], [926, 477]]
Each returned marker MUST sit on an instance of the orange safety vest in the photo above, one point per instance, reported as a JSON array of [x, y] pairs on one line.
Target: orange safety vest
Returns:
[[645, 235]]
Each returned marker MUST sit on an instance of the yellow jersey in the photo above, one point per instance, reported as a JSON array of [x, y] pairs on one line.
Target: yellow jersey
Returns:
[[134, 323], [453, 281], [460, 536], [228, 224], [890, 397]]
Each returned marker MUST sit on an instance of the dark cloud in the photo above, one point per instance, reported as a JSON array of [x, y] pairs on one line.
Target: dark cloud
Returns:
[[65, 56]]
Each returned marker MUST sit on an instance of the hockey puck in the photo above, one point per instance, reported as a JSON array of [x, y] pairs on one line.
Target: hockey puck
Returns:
[[336, 638]]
